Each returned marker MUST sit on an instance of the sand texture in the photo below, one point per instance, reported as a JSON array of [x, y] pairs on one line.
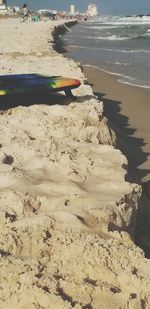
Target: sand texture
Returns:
[[67, 215]]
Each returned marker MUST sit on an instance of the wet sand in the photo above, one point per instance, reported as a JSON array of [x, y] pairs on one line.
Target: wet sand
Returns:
[[128, 110]]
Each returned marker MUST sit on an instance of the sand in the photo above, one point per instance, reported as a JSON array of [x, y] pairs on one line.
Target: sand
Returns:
[[67, 212], [128, 110]]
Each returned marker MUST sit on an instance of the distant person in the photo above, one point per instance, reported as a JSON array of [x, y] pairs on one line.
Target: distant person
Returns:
[[85, 17], [26, 12]]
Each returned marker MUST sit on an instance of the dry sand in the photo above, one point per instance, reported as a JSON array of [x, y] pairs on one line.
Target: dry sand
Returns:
[[67, 215], [128, 109]]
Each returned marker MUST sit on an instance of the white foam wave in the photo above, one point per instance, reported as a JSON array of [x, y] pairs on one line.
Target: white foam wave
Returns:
[[147, 34], [121, 63], [130, 51], [132, 84], [125, 79], [100, 27], [112, 50], [110, 38], [130, 20], [119, 38], [113, 38], [120, 23], [109, 72]]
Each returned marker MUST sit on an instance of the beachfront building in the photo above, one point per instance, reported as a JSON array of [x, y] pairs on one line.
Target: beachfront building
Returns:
[[3, 7], [92, 10], [72, 9]]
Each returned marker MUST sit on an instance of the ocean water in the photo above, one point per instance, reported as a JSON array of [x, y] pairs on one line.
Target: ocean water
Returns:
[[118, 45]]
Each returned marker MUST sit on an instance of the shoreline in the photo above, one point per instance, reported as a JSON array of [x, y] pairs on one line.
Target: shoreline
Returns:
[[119, 76], [127, 109]]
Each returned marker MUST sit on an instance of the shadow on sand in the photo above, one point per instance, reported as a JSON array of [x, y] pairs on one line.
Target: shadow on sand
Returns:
[[32, 98], [130, 145]]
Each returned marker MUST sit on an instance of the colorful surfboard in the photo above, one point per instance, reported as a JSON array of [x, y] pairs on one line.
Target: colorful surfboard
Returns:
[[20, 83]]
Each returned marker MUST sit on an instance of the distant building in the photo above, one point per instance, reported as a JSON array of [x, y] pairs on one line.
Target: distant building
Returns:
[[3, 7], [72, 9], [92, 10]]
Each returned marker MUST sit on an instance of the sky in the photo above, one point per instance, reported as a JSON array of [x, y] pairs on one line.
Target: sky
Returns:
[[106, 7]]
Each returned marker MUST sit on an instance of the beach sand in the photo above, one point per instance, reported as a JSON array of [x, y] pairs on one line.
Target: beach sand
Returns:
[[128, 109], [67, 214]]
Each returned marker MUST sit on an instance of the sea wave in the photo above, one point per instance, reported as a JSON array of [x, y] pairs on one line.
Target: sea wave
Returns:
[[125, 51], [111, 49], [120, 63], [117, 20], [122, 23], [133, 84], [124, 79], [145, 35], [117, 44], [100, 27], [113, 37], [111, 73]]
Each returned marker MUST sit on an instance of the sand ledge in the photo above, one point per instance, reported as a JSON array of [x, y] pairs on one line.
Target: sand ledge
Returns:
[[66, 209]]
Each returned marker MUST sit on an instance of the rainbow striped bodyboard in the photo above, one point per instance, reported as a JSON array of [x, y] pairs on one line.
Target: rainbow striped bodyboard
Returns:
[[21, 83]]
